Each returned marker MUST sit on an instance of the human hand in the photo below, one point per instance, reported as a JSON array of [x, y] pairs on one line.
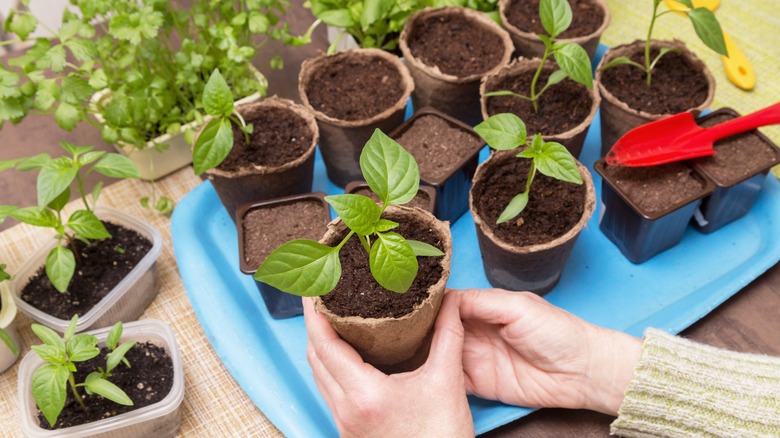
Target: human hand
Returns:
[[522, 350], [430, 401]]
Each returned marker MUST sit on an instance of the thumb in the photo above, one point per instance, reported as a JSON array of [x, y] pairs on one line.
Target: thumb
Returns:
[[447, 344]]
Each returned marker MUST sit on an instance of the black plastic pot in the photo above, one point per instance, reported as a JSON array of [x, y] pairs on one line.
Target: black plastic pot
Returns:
[[426, 195]]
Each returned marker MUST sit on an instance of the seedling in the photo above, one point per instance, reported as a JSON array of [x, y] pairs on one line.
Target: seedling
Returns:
[[55, 178], [4, 336], [50, 381], [704, 23], [505, 132], [571, 58], [308, 268]]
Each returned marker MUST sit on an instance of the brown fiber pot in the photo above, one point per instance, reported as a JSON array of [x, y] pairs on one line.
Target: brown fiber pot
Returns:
[[572, 139], [258, 183], [455, 96], [535, 268], [394, 344], [617, 118], [528, 44], [342, 141]]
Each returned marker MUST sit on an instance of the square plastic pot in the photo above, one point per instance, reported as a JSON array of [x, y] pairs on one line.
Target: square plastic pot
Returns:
[[125, 302], [638, 234], [8, 323], [159, 420], [427, 192]]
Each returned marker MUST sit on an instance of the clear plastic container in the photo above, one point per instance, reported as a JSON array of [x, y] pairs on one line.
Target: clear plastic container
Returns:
[[126, 302], [159, 420], [8, 323]]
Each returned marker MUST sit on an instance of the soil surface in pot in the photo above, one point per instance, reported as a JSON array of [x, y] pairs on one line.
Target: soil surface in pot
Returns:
[[358, 294], [438, 146], [554, 207], [355, 89], [736, 157], [99, 268], [420, 200], [266, 228], [280, 136], [148, 381], [676, 85], [456, 45], [587, 17], [657, 188], [561, 108]]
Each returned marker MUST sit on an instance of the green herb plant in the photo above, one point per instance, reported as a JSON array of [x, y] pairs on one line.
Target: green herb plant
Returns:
[[704, 23], [50, 382], [505, 132], [489, 7], [571, 58], [4, 336], [308, 268], [56, 176]]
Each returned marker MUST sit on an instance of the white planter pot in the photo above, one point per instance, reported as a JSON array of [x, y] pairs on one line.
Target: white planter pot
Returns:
[[161, 419], [347, 42], [124, 303], [8, 323]]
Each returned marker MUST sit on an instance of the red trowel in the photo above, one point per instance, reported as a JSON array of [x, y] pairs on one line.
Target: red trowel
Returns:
[[678, 138]]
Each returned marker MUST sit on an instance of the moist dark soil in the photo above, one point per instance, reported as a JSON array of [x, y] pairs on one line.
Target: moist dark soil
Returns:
[[561, 108], [737, 157], [420, 200], [148, 381], [657, 188], [554, 207], [266, 228], [99, 268], [438, 146], [456, 45], [358, 294], [587, 17], [279, 136], [355, 88], [676, 85]]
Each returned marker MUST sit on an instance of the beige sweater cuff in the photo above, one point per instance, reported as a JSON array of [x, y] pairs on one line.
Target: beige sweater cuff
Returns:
[[684, 389]]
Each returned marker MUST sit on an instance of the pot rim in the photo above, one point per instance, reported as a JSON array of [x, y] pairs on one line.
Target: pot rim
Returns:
[[503, 5]]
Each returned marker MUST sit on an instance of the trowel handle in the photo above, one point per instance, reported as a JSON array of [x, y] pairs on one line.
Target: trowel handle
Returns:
[[767, 116]]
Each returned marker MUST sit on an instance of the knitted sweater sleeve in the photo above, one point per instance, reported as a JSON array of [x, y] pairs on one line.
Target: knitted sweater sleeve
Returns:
[[684, 389]]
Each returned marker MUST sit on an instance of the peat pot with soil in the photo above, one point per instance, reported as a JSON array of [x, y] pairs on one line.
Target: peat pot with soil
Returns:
[[425, 197], [448, 51], [9, 331]]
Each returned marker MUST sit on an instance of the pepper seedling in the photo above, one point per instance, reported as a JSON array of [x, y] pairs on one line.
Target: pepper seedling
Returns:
[[51, 381], [572, 59], [4, 336], [506, 132], [308, 268]]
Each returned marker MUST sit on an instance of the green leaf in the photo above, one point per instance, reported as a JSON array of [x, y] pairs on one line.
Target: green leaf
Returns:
[[556, 16], [302, 267], [574, 61], [47, 94], [55, 58], [505, 93], [556, 77], [71, 330], [54, 177], [39, 217], [422, 249], [96, 192], [663, 51], [213, 145], [49, 391], [337, 18], [90, 157], [75, 90], [113, 335], [75, 150], [116, 166], [115, 357], [22, 24], [9, 342], [86, 224], [557, 162], [9, 164], [82, 347], [392, 262], [258, 23], [60, 266], [69, 29], [83, 50], [359, 213], [708, 29], [3, 275], [103, 387], [686, 3], [48, 336], [514, 208], [391, 171], [622, 60], [49, 353], [67, 116], [217, 97], [503, 132], [135, 26], [383, 225], [34, 163], [374, 10], [98, 80], [60, 201]]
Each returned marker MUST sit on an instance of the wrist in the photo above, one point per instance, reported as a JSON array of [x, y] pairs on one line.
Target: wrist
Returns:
[[614, 356]]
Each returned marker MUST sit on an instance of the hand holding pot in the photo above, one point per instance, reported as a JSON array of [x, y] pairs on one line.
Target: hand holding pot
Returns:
[[430, 401]]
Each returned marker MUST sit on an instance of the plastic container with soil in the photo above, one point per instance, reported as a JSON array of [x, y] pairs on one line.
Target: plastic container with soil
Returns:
[[351, 94], [125, 301], [680, 82], [391, 331], [279, 161], [448, 51], [738, 169], [9, 324], [425, 198], [160, 419], [447, 152], [645, 210], [520, 18], [264, 226], [566, 110], [529, 252]]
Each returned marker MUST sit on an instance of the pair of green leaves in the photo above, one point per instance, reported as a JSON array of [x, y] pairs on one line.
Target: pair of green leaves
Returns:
[[507, 132], [308, 268], [373, 23]]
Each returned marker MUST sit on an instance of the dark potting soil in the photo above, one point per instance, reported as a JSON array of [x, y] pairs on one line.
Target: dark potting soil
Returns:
[[456, 45], [676, 85], [266, 228], [736, 157], [358, 294], [438, 146], [148, 381], [657, 188], [99, 268], [554, 207], [355, 88], [561, 108], [279, 136], [587, 17], [420, 200]]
